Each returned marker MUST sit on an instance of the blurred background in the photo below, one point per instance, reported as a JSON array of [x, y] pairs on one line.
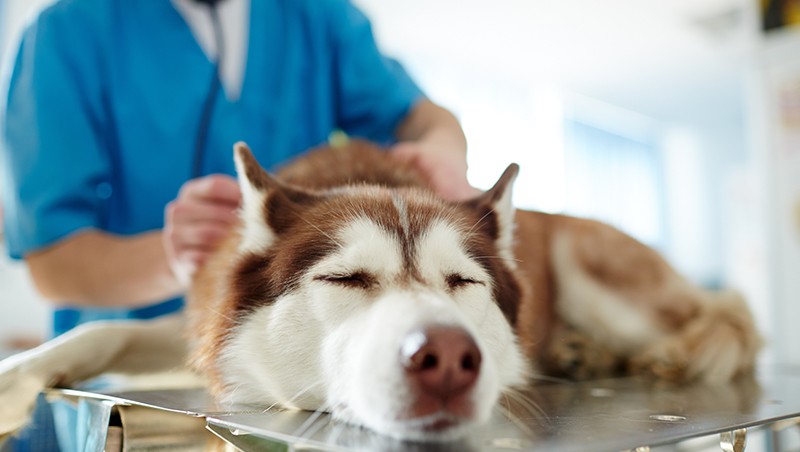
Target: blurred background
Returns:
[[677, 121]]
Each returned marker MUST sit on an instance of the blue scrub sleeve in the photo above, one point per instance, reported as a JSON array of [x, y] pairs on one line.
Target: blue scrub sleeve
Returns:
[[53, 158], [375, 92]]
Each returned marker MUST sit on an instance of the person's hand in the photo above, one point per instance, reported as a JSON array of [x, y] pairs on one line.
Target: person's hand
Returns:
[[197, 220], [445, 169]]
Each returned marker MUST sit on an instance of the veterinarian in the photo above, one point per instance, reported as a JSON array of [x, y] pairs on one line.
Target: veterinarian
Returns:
[[118, 109]]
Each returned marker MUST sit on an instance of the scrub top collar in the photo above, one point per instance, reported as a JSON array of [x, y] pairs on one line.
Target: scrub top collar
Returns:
[[235, 23]]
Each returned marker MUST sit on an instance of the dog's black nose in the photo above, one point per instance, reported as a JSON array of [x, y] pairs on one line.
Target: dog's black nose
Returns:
[[443, 360]]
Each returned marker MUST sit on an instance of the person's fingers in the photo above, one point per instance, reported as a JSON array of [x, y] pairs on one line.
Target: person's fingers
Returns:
[[453, 186], [446, 174], [217, 188], [188, 248], [197, 221], [406, 153], [204, 236], [187, 264], [186, 211], [193, 259]]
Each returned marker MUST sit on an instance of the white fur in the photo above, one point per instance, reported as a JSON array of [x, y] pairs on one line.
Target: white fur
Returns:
[[274, 357]]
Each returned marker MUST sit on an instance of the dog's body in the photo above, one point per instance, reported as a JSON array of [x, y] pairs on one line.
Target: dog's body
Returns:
[[351, 288]]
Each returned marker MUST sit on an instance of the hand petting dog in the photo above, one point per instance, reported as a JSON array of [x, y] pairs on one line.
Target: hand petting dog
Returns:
[[197, 220], [445, 167]]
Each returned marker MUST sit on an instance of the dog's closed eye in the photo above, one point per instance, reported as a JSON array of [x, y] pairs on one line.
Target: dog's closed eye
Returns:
[[358, 280], [456, 281]]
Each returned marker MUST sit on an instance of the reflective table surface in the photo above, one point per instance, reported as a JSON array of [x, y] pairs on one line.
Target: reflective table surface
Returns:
[[599, 416]]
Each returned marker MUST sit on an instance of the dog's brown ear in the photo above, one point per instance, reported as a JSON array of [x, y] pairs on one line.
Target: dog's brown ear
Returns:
[[497, 212], [255, 184], [269, 207], [502, 189], [251, 175]]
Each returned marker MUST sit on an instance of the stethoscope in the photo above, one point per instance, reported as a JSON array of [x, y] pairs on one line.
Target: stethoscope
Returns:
[[208, 106]]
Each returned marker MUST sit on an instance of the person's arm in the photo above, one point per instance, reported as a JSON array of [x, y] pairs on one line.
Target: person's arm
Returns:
[[431, 137], [95, 268]]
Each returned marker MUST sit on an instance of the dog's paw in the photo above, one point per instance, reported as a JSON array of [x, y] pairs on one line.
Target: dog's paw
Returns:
[[575, 355], [714, 348], [18, 393], [665, 360]]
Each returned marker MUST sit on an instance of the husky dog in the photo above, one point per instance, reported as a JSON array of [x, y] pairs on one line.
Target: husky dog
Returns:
[[352, 288]]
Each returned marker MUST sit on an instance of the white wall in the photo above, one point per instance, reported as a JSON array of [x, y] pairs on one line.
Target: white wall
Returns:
[[779, 82], [25, 315], [688, 204]]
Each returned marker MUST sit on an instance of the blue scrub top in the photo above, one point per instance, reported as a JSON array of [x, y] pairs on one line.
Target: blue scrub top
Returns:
[[105, 98]]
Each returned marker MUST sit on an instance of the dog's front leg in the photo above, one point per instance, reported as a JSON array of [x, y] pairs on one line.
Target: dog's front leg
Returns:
[[87, 351]]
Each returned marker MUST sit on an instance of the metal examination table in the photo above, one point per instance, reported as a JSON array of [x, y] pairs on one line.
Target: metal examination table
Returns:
[[600, 416]]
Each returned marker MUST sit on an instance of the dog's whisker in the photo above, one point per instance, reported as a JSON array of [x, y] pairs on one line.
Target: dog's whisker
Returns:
[[293, 398], [515, 420], [219, 313], [267, 409], [307, 430], [477, 223], [338, 429], [550, 379], [296, 396], [506, 397], [534, 409], [525, 402], [530, 407], [323, 233], [497, 257], [230, 398]]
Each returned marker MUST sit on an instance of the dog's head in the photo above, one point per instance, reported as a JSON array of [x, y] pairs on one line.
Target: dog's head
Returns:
[[389, 308]]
